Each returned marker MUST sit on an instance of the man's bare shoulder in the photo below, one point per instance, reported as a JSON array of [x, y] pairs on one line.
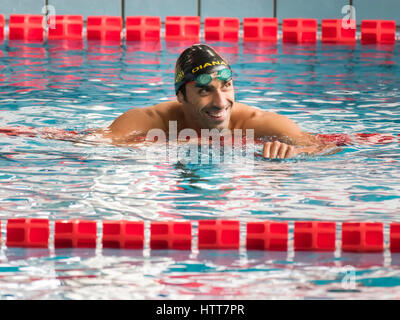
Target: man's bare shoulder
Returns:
[[242, 113], [170, 110], [161, 109], [137, 121], [264, 123]]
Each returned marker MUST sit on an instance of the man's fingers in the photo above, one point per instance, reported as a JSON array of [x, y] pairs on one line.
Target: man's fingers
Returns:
[[290, 152], [278, 150], [275, 149], [266, 150], [283, 151]]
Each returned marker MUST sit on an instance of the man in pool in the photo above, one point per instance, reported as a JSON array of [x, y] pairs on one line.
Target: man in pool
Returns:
[[206, 100]]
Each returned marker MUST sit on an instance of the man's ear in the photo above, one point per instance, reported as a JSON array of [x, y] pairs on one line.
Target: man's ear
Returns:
[[180, 97]]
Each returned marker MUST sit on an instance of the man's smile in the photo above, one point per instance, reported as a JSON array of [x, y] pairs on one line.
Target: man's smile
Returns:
[[217, 114]]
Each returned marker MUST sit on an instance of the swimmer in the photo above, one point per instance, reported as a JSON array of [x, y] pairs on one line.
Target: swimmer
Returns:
[[206, 100]]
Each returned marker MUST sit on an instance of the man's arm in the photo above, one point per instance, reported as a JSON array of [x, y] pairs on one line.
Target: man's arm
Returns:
[[134, 123], [286, 138]]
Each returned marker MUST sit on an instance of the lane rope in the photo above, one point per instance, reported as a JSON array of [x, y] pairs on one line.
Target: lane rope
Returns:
[[315, 236]]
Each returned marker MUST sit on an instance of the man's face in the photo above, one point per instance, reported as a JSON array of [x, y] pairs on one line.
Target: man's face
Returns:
[[209, 106]]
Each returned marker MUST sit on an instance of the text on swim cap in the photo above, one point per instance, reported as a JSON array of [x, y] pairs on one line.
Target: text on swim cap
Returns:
[[207, 64]]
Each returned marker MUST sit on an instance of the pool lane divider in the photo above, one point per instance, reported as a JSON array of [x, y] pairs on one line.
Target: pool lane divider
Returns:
[[30, 28], [315, 236], [340, 139]]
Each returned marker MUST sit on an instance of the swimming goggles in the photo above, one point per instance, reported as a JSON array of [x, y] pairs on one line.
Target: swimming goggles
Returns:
[[205, 78]]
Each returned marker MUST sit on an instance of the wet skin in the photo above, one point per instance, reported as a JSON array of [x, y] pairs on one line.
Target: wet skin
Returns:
[[214, 106]]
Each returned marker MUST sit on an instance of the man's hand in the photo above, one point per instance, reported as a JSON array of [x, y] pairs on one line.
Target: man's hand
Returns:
[[279, 150]]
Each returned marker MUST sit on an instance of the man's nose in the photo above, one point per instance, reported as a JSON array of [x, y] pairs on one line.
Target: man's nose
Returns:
[[219, 99]]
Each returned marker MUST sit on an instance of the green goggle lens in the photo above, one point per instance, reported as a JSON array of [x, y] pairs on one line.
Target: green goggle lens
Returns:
[[205, 79]]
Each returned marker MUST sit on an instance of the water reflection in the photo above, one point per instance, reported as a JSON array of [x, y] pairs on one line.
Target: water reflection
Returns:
[[325, 89]]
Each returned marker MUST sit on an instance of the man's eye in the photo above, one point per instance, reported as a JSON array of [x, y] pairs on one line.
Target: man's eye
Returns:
[[204, 90]]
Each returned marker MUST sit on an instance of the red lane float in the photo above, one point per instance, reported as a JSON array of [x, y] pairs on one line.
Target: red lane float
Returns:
[[75, 234], [395, 237], [182, 28], [140, 28], [260, 29], [332, 31], [221, 29], [67, 27], [26, 27], [171, 235], [267, 235], [28, 233], [104, 28], [218, 234], [2, 24], [299, 30], [378, 31], [314, 236], [30, 28], [212, 234], [19, 131], [340, 139], [123, 234], [49, 133], [362, 236]]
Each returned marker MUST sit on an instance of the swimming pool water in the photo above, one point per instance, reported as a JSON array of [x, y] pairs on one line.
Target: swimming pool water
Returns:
[[325, 89]]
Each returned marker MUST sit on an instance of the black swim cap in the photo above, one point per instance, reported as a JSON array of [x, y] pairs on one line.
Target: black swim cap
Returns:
[[195, 60]]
